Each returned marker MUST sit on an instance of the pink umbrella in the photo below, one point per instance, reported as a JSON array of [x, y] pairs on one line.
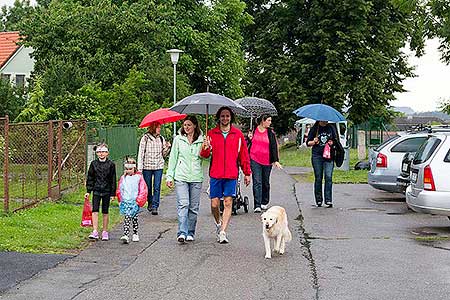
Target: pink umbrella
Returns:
[[162, 116]]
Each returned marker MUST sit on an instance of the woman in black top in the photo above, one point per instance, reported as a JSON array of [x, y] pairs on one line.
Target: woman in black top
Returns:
[[319, 135]]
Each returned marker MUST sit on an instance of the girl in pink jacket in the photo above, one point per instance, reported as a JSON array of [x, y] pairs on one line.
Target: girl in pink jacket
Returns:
[[132, 194]]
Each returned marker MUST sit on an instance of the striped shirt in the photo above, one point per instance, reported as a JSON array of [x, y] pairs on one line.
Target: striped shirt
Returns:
[[152, 152]]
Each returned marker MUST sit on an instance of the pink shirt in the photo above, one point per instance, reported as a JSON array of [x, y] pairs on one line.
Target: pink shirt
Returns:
[[259, 151]]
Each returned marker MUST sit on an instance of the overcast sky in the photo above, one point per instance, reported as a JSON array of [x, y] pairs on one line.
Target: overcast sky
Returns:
[[424, 92]]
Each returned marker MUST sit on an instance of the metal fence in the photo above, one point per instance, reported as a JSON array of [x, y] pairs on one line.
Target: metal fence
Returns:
[[40, 160]]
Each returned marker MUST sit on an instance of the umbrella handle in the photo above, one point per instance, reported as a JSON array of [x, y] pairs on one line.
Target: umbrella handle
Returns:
[[207, 108]]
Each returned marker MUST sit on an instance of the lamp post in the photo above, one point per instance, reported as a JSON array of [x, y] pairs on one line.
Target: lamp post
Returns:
[[174, 56]]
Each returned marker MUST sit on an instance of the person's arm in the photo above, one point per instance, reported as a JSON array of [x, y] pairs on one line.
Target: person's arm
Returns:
[[90, 180], [113, 180], [244, 157], [276, 163], [118, 191], [312, 139], [173, 159], [206, 147], [165, 147], [142, 192], [140, 158]]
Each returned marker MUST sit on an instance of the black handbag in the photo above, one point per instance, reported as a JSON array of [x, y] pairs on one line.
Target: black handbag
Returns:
[[339, 152]]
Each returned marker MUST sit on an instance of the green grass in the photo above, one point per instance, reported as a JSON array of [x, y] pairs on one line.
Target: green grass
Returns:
[[52, 227], [291, 156]]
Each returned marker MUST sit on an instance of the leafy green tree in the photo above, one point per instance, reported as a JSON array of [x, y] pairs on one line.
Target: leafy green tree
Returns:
[[12, 98], [345, 53], [12, 17], [81, 43], [34, 109]]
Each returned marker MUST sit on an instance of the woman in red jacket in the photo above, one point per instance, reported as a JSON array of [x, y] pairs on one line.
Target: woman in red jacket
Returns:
[[228, 150]]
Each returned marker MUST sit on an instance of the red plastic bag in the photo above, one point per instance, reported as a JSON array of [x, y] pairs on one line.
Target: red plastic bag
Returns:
[[327, 151], [86, 218]]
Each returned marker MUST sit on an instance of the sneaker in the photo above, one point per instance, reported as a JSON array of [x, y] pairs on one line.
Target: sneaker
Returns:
[[264, 207], [223, 237], [319, 204], [181, 238], [93, 235], [257, 210], [154, 211], [135, 237], [329, 203], [125, 239], [218, 226], [189, 238], [105, 236], [150, 209]]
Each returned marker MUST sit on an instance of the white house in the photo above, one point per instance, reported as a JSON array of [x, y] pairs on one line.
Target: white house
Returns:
[[16, 64]]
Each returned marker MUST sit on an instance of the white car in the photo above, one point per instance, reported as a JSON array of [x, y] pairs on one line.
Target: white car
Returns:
[[386, 160], [429, 191]]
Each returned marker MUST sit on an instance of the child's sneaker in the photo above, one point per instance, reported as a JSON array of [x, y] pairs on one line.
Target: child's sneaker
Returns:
[[190, 238], [125, 239], [181, 238], [93, 235], [105, 236], [135, 238]]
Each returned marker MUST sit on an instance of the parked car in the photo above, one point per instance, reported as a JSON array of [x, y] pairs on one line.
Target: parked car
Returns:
[[386, 160], [429, 191], [403, 180]]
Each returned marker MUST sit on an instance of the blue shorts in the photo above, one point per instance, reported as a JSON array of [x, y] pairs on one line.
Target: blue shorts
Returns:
[[219, 188]]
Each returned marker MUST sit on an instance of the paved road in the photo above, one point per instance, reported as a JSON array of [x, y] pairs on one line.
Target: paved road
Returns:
[[363, 248]]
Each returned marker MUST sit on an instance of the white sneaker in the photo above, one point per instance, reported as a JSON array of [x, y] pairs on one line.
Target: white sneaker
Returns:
[[218, 226], [125, 239], [181, 238], [189, 238], [257, 210], [135, 238], [264, 207], [223, 237]]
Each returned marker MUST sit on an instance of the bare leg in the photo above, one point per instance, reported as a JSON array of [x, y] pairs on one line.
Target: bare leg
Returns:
[[215, 202], [226, 215], [105, 222], [95, 221]]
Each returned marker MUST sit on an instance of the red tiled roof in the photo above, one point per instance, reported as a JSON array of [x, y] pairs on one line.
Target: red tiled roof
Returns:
[[8, 45]]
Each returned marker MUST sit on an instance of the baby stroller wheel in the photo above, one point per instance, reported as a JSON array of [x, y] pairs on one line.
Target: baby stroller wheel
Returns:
[[246, 204]]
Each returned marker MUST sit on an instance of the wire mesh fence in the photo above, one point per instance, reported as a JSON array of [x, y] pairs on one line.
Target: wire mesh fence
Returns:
[[40, 160]]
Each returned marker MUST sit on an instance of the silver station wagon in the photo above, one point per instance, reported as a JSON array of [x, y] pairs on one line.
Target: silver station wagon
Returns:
[[386, 160], [429, 191]]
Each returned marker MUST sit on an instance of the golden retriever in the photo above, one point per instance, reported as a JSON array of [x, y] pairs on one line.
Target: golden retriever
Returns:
[[275, 228]]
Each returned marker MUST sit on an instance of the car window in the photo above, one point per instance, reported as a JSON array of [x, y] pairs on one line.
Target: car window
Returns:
[[382, 145], [409, 145], [447, 156], [426, 150]]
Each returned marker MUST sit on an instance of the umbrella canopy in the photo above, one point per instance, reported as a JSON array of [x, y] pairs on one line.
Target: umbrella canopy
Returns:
[[205, 104], [319, 112], [257, 107], [162, 116]]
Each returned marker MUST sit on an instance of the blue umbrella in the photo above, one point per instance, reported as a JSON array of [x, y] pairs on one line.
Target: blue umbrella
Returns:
[[319, 112]]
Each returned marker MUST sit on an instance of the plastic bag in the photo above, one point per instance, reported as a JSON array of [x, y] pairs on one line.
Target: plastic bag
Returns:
[[86, 218], [327, 151]]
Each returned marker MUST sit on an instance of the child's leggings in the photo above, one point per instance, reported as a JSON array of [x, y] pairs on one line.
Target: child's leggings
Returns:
[[126, 224]]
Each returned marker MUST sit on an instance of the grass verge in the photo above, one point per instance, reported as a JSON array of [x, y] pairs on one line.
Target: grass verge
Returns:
[[291, 156]]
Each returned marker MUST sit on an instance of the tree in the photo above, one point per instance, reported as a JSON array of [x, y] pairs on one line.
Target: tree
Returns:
[[96, 43], [34, 110], [345, 53], [13, 17], [12, 99]]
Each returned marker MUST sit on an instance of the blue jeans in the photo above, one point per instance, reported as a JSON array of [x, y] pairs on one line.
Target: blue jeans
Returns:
[[155, 192], [322, 167], [188, 202], [261, 183]]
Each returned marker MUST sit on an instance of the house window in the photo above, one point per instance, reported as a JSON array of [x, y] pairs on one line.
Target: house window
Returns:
[[6, 77], [20, 80]]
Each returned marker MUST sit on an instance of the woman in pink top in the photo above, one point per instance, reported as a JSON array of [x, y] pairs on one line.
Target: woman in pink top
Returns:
[[263, 150]]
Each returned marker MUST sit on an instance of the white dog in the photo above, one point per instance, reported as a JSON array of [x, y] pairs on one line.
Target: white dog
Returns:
[[275, 228]]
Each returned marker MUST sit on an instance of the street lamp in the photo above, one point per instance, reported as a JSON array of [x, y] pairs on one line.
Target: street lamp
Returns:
[[174, 56]]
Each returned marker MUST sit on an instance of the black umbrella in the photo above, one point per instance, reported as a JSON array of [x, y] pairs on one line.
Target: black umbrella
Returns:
[[256, 107]]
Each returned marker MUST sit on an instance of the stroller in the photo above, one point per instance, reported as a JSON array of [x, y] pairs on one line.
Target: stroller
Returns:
[[238, 201]]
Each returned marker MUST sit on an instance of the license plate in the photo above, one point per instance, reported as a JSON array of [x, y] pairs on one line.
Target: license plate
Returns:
[[405, 167], [414, 177]]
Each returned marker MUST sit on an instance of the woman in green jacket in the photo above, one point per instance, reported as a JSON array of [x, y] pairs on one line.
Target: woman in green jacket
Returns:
[[186, 173]]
